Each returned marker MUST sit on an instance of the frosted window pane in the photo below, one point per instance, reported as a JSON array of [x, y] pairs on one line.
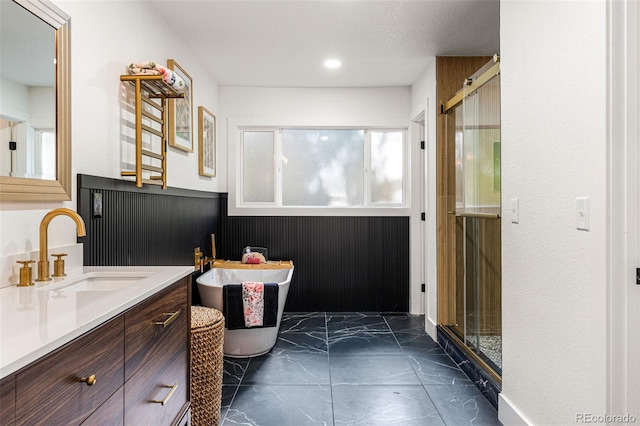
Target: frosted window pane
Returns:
[[258, 171], [322, 167], [386, 167]]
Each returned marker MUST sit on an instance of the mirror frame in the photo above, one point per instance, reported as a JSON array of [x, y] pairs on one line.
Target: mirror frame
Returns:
[[26, 189]]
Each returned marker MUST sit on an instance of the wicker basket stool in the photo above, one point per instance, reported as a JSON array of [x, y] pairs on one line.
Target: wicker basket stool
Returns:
[[207, 339]]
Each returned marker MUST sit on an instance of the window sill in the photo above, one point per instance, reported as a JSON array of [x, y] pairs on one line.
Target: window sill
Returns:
[[319, 211]]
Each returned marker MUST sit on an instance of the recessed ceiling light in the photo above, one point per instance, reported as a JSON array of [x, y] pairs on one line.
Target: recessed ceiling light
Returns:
[[332, 63]]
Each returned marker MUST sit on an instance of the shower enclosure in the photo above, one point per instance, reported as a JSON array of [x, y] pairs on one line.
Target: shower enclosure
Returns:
[[472, 307]]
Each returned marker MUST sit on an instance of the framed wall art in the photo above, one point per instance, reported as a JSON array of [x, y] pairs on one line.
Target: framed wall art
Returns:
[[180, 112], [206, 142]]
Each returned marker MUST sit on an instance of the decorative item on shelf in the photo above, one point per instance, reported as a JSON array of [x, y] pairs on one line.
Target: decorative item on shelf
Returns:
[[181, 112], [206, 142], [252, 257], [152, 68]]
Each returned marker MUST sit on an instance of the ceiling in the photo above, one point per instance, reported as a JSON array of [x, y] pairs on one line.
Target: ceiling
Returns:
[[284, 43]]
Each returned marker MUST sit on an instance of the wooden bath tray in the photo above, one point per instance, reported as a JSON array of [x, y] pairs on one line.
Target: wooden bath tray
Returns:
[[236, 264]]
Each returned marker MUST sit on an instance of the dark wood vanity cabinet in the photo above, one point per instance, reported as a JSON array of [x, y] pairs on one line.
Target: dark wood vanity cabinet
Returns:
[[152, 324], [52, 391], [157, 358], [8, 401], [140, 363]]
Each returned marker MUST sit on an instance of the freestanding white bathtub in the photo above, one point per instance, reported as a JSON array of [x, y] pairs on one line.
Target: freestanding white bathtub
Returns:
[[242, 343]]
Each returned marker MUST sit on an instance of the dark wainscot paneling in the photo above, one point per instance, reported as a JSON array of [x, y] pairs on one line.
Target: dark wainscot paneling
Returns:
[[145, 226], [341, 263]]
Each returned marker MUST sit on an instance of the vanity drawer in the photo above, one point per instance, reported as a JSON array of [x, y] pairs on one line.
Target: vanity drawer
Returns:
[[109, 413], [165, 377], [50, 391], [148, 324], [8, 400]]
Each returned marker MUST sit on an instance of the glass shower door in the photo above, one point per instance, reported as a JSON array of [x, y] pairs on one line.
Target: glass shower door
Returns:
[[474, 224]]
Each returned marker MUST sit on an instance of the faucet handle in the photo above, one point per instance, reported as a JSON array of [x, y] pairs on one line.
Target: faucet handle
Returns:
[[58, 265], [208, 260], [25, 273], [197, 259]]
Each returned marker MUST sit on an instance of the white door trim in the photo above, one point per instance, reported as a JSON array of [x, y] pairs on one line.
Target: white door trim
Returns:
[[623, 328], [417, 301]]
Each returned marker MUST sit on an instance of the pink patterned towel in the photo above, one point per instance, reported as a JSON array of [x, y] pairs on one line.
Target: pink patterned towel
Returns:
[[253, 303]]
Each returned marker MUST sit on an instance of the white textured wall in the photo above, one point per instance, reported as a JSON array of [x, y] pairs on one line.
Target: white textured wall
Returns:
[[319, 104], [312, 106], [14, 102], [42, 101], [553, 68], [105, 37]]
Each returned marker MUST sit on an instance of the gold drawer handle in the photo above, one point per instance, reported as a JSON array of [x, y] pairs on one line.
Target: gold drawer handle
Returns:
[[172, 318], [90, 381], [166, 398]]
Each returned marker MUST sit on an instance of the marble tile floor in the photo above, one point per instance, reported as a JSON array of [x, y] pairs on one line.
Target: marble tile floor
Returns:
[[364, 369]]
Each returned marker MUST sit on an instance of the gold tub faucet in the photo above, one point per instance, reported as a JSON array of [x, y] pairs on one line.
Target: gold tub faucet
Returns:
[[43, 264]]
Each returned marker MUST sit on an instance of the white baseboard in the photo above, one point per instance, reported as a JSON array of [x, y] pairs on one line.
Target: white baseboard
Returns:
[[508, 414], [431, 328]]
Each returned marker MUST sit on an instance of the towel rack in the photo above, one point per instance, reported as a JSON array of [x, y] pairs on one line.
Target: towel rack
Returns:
[[150, 90]]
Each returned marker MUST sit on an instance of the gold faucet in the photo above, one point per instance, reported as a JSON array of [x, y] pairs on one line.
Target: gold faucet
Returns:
[[199, 259], [43, 264]]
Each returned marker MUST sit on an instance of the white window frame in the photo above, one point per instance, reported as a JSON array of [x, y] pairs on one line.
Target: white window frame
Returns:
[[235, 162]]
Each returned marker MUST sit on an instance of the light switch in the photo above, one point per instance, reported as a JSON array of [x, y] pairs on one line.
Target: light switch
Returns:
[[515, 210], [582, 213]]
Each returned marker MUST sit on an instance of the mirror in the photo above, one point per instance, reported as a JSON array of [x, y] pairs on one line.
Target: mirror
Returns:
[[35, 108]]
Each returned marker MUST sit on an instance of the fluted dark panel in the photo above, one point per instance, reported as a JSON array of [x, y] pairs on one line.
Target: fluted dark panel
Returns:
[[145, 226], [341, 263]]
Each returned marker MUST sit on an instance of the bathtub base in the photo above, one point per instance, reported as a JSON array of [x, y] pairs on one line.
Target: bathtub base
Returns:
[[245, 343], [226, 355]]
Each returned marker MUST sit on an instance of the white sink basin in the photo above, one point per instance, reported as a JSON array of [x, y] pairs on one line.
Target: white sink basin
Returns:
[[97, 281]]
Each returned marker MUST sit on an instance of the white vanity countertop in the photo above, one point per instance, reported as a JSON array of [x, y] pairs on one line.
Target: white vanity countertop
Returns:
[[38, 319]]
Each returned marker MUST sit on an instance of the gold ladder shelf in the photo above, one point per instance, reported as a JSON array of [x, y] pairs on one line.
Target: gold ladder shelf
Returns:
[[154, 92]]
